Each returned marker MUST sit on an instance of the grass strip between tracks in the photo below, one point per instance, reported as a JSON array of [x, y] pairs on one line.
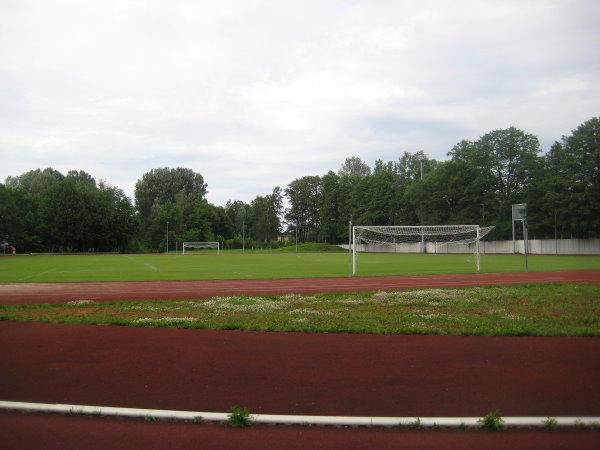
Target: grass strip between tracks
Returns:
[[524, 310]]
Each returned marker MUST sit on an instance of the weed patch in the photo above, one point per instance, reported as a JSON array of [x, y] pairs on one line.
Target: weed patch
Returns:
[[492, 421], [239, 417], [551, 423], [528, 310]]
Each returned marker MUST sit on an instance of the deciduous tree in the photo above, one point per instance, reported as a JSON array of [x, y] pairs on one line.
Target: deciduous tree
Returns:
[[354, 167], [159, 186]]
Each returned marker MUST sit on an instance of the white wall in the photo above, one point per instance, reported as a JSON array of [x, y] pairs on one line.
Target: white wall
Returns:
[[536, 247], [545, 247]]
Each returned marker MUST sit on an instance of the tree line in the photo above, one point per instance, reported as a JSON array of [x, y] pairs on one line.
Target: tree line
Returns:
[[478, 184], [44, 210]]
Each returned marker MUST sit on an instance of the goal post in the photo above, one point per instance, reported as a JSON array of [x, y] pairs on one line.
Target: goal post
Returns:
[[201, 246], [418, 239]]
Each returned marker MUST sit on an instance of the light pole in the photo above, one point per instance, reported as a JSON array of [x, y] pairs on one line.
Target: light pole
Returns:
[[167, 237], [350, 247]]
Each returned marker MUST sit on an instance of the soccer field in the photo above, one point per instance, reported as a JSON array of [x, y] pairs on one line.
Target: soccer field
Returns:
[[74, 268]]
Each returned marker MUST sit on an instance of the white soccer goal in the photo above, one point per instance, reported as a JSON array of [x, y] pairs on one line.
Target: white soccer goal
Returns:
[[418, 239], [201, 246]]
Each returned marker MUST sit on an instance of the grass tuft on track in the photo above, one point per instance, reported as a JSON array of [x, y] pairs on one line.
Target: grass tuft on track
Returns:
[[526, 310]]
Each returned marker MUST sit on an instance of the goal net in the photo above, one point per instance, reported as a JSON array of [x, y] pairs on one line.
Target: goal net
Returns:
[[418, 239], [191, 246]]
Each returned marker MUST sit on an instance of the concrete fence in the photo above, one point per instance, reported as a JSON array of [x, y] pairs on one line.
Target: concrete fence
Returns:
[[536, 247], [544, 247]]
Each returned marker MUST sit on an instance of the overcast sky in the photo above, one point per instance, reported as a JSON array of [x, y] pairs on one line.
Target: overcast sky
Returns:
[[254, 94]]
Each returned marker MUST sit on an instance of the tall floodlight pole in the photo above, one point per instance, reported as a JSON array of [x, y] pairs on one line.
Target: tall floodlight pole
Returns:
[[353, 251], [477, 250], [525, 243], [167, 237], [244, 236], [519, 213], [350, 247], [555, 235], [296, 235]]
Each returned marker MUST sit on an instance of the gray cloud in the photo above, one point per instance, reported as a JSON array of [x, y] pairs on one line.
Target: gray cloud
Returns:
[[255, 94]]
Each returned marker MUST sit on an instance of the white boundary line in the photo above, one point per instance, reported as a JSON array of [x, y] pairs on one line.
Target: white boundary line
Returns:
[[295, 419]]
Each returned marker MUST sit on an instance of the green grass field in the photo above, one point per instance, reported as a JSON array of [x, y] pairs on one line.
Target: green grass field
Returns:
[[527, 310], [76, 268]]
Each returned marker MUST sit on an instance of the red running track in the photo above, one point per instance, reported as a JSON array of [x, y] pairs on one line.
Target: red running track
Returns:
[[299, 373], [290, 373], [16, 293], [287, 373]]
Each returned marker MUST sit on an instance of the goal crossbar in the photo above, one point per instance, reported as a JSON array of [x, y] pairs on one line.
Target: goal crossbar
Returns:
[[201, 245], [417, 239]]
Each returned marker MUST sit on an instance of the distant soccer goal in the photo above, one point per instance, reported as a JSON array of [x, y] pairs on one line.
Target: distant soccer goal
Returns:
[[418, 239], [190, 246]]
